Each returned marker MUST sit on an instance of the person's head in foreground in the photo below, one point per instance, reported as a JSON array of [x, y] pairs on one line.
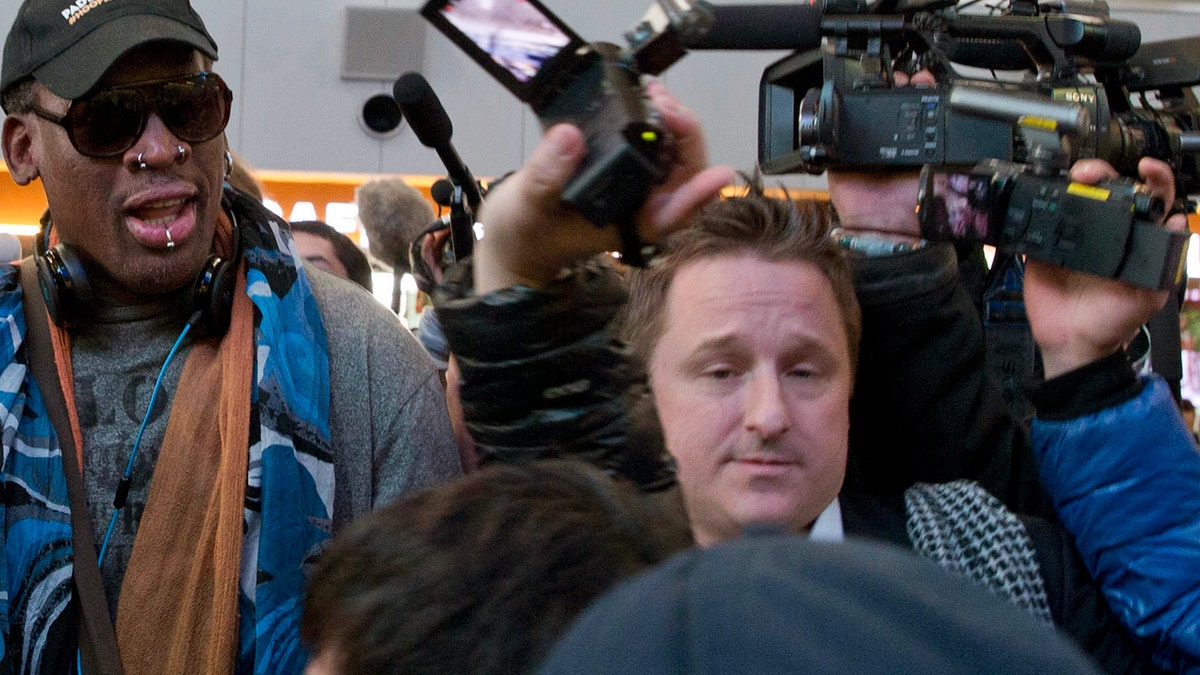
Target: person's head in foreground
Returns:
[[480, 575], [765, 604]]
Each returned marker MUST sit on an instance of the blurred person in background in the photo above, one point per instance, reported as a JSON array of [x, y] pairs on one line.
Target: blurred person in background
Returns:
[[321, 245]]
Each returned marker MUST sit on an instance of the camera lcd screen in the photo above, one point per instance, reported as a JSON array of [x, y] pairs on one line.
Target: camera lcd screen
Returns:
[[958, 205], [515, 40]]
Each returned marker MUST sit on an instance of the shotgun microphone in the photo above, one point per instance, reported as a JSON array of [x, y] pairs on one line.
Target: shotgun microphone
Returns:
[[429, 121], [431, 124]]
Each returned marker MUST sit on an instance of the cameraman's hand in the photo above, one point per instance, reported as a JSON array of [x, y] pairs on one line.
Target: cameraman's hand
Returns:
[[1078, 318], [884, 200], [530, 235]]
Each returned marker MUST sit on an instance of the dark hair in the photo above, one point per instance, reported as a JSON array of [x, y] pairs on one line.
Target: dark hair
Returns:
[[351, 256], [482, 574], [19, 98], [776, 229]]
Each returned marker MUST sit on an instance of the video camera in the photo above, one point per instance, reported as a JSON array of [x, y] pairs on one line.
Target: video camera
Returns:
[[1008, 206], [598, 86], [1110, 230], [1008, 143], [838, 107], [563, 78]]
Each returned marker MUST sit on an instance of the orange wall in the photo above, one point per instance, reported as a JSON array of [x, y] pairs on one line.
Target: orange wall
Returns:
[[289, 187], [24, 206], [19, 205]]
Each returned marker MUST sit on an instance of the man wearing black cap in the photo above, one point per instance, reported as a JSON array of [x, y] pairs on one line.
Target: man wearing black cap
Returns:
[[182, 546]]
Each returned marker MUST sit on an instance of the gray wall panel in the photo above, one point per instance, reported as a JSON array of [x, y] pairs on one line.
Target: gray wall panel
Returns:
[[292, 110]]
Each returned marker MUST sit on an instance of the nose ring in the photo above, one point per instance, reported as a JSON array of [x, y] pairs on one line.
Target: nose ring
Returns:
[[141, 164], [182, 153]]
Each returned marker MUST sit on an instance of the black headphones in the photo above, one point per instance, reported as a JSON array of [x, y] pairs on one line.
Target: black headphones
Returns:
[[69, 298]]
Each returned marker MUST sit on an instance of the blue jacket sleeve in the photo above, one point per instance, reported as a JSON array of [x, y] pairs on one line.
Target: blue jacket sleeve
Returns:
[[1125, 482]]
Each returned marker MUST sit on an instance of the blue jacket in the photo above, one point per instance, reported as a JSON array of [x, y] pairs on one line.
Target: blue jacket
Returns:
[[1125, 481]]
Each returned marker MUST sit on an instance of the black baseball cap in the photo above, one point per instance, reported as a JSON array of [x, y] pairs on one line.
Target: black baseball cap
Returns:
[[777, 605], [67, 45]]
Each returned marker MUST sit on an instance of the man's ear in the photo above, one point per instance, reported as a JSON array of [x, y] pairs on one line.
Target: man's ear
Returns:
[[18, 149]]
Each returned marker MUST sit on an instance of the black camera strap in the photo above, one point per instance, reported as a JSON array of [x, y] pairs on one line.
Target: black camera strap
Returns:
[[1010, 352]]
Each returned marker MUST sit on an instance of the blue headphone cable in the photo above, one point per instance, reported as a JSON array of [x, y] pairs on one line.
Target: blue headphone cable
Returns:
[[122, 492]]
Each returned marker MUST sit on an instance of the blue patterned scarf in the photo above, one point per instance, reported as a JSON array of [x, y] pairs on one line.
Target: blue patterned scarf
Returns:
[[289, 489]]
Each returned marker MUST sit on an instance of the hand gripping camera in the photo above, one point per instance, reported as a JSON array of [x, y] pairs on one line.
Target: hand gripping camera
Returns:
[[595, 86]]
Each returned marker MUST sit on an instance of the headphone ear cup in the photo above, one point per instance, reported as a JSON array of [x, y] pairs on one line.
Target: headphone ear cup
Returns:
[[213, 293], [65, 286]]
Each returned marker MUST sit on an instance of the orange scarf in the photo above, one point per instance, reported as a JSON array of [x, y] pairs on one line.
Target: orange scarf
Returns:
[[178, 610]]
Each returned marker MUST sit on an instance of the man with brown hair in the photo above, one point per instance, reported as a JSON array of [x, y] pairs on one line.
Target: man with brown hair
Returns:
[[325, 248]]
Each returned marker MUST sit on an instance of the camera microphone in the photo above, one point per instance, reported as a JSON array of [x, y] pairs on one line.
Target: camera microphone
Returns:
[[442, 191], [431, 124], [668, 30], [778, 26]]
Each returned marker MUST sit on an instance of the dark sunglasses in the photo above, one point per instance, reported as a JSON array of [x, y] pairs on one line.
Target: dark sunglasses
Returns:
[[107, 122]]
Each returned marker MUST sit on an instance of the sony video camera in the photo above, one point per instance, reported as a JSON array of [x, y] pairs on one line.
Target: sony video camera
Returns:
[[837, 106], [1166, 70], [1111, 230], [995, 153], [563, 78], [1011, 207]]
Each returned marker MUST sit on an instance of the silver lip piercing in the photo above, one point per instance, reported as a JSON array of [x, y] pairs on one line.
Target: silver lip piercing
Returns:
[[170, 241], [141, 164]]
